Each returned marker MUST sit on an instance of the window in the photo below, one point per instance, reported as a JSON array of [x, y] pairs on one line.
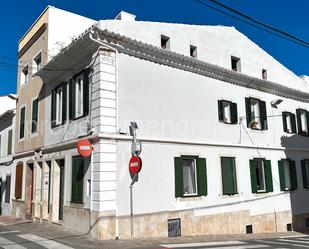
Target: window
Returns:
[[302, 121], [261, 176], [0, 146], [305, 172], [227, 112], [228, 172], [18, 181], [256, 114], [235, 63], [193, 51], [79, 98], [34, 123], [79, 95], [79, 168], [289, 123], [36, 64], [22, 122], [165, 42], [10, 141], [190, 176], [264, 74], [287, 175], [59, 106], [24, 75]]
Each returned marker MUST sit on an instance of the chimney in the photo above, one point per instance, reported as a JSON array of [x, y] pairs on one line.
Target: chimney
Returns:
[[125, 16]]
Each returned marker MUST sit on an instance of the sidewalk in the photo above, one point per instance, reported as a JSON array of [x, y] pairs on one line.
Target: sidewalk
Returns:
[[78, 240], [11, 220]]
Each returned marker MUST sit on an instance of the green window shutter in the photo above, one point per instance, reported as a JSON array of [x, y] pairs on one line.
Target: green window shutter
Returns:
[[228, 175], [10, 141], [299, 128], [22, 122], [285, 127], [71, 99], [263, 114], [220, 110], [86, 92], [234, 114], [248, 112], [53, 109], [201, 176], [178, 177], [77, 179], [304, 174], [293, 121], [281, 175], [34, 124], [253, 176], [293, 175], [64, 103], [268, 176]]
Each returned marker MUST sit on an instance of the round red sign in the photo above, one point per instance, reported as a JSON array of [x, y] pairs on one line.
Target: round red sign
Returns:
[[135, 165], [84, 148]]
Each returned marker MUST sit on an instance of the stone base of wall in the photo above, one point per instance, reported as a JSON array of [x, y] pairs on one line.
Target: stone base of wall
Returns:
[[77, 219], [18, 208], [299, 222], [103, 225], [155, 225]]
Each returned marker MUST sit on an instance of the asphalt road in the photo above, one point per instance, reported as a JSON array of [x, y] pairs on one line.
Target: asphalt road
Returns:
[[42, 236]]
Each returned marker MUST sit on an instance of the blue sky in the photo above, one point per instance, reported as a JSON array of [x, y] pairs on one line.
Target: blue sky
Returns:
[[291, 16]]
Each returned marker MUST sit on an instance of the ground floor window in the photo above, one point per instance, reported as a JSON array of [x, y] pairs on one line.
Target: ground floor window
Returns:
[[7, 196], [287, 175], [228, 172], [190, 176], [261, 176], [79, 169]]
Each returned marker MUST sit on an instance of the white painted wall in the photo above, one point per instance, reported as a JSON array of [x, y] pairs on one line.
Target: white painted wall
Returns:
[[171, 104], [215, 44], [63, 27]]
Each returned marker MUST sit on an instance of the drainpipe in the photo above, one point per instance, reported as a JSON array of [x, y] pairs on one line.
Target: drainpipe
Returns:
[[99, 41]]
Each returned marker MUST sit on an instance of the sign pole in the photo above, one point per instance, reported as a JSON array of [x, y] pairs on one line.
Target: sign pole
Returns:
[[131, 204]]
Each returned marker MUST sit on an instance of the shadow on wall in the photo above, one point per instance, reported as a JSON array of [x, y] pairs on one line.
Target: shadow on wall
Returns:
[[297, 149]]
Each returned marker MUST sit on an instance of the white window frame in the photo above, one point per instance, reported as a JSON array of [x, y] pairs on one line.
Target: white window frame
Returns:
[[59, 104], [24, 77], [227, 112], [79, 97], [263, 175], [195, 177], [303, 118], [255, 113], [37, 125], [287, 171], [36, 67]]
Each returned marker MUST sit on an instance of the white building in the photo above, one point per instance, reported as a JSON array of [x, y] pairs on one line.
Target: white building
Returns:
[[224, 128], [7, 126]]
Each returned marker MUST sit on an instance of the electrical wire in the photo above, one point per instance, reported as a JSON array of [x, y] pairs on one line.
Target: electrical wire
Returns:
[[255, 23]]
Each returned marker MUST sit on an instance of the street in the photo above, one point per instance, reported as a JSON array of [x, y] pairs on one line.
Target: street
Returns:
[[40, 236]]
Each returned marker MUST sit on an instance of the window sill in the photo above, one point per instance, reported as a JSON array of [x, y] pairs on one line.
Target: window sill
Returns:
[[76, 205], [227, 196], [191, 198]]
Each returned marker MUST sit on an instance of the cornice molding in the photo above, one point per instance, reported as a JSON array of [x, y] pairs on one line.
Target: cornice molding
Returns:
[[165, 57]]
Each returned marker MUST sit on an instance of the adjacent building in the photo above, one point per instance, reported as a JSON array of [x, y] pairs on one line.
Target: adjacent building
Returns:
[[224, 128], [7, 128]]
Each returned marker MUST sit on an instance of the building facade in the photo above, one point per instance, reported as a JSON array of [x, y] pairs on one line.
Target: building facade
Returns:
[[224, 128], [7, 128]]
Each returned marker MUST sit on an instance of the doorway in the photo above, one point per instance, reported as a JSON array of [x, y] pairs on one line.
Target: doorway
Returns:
[[29, 191], [58, 190], [61, 190]]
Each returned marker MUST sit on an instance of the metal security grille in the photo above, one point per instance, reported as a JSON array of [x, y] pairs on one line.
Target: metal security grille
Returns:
[[174, 227]]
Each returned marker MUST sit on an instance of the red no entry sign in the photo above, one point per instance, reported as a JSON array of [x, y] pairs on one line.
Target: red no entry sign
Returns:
[[84, 148], [135, 165]]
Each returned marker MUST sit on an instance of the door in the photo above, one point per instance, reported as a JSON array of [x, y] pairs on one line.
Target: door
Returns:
[[1, 195], [61, 189], [29, 191]]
